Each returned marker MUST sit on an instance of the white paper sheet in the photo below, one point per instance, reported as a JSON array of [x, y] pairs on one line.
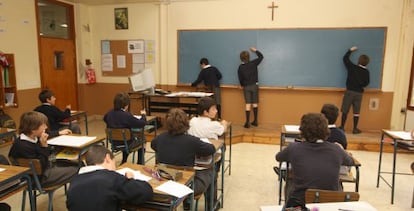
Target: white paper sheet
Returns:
[[292, 128], [401, 134], [70, 141], [176, 189], [137, 174]]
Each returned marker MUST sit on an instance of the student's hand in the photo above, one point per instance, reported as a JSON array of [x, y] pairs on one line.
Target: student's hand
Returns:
[[69, 107], [43, 139], [353, 48], [253, 49], [129, 175], [65, 132], [143, 112]]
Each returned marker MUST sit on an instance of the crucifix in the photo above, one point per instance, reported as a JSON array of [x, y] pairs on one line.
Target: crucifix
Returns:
[[273, 9]]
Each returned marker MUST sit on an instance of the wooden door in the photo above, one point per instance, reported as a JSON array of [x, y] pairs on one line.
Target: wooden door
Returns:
[[57, 51], [61, 80]]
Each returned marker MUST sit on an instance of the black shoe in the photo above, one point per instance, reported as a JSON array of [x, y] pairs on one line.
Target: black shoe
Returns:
[[255, 124], [246, 125], [356, 131]]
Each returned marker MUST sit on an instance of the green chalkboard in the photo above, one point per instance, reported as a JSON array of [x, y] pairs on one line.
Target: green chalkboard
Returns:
[[292, 57]]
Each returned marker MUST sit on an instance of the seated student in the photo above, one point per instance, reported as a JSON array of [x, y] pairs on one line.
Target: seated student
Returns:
[[204, 126], [32, 144], [315, 162], [120, 117], [99, 187], [54, 115], [337, 135], [176, 147]]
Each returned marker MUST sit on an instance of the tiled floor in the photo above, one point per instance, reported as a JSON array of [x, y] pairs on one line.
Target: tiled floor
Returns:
[[253, 183]]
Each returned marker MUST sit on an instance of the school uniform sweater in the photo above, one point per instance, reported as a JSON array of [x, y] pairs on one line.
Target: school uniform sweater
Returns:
[[314, 165], [54, 115], [104, 190], [247, 73], [210, 75], [358, 75], [337, 135]]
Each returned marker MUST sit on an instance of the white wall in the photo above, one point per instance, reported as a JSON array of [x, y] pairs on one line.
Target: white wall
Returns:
[[18, 36]]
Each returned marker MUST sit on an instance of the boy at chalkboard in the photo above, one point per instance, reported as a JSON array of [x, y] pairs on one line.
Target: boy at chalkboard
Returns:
[[358, 78], [211, 77], [248, 78]]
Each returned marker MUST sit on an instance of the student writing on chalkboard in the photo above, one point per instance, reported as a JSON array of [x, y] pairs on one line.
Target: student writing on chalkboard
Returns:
[[211, 77], [248, 78], [358, 78]]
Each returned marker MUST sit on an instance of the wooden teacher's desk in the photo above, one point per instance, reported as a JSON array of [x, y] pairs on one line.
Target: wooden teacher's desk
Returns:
[[161, 200], [402, 141], [162, 103]]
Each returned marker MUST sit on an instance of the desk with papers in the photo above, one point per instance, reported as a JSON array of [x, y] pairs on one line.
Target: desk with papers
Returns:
[[167, 194], [75, 144], [341, 206], [400, 140]]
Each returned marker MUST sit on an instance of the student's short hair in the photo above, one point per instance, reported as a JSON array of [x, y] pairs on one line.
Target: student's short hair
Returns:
[[363, 60], [44, 95], [204, 61], [245, 56], [121, 100], [314, 126], [205, 104], [30, 121], [331, 112], [177, 122], [96, 154]]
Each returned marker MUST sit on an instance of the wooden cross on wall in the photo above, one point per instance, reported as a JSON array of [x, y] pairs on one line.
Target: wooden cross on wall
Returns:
[[273, 9]]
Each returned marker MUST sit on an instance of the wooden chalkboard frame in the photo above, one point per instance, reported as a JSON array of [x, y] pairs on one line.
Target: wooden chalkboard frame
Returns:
[[216, 45]]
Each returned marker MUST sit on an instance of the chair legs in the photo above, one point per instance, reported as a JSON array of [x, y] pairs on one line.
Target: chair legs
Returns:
[[50, 205]]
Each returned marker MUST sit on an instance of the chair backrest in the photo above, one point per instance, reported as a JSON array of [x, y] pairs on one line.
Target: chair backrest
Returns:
[[322, 196], [122, 135], [35, 169]]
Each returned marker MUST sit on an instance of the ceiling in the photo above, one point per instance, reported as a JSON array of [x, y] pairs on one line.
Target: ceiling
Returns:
[[102, 2]]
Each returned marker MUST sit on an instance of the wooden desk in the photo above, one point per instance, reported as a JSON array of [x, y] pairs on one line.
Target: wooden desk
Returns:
[[10, 175], [162, 200], [291, 133], [354, 205], [72, 142], [76, 114], [7, 133], [396, 137], [188, 101]]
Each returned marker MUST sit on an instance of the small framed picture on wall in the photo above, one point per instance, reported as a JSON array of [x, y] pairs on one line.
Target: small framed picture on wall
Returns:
[[121, 18]]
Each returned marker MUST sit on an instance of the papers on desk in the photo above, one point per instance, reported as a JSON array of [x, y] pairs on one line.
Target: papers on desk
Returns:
[[2, 169], [73, 111], [137, 174], [189, 94], [292, 128], [175, 189], [68, 154], [70, 141], [401, 134]]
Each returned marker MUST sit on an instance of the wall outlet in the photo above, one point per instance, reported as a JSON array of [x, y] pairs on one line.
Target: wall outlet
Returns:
[[373, 104]]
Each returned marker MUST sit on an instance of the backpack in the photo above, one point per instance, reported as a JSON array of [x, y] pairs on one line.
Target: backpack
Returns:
[[6, 121]]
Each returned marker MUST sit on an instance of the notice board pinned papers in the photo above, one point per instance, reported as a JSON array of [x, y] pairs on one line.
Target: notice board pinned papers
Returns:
[[175, 189]]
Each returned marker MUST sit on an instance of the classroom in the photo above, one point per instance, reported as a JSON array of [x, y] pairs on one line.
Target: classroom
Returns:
[[163, 23]]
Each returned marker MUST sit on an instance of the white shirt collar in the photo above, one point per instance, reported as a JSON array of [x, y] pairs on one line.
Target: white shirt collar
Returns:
[[319, 141], [362, 66], [87, 169], [332, 126], [207, 66], [27, 138], [46, 104]]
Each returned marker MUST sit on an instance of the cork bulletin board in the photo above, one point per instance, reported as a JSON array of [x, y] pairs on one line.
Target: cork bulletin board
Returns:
[[122, 57]]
